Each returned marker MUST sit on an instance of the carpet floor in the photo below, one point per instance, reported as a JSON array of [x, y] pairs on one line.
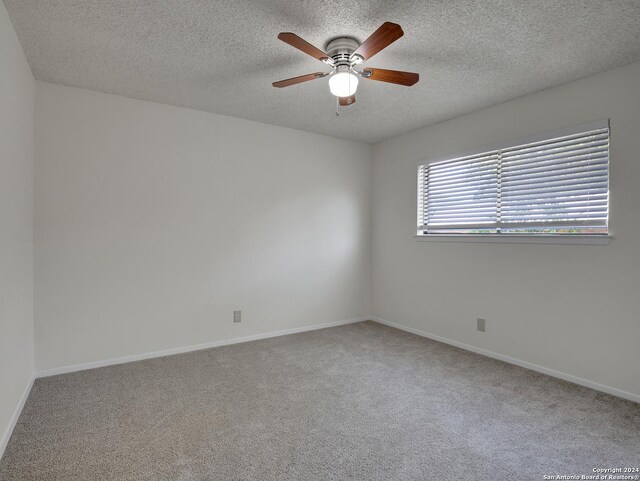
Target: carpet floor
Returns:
[[356, 402]]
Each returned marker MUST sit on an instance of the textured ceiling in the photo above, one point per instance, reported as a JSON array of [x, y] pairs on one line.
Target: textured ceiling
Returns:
[[222, 56]]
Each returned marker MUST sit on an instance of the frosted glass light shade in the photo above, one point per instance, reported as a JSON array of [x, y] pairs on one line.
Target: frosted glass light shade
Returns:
[[343, 84]]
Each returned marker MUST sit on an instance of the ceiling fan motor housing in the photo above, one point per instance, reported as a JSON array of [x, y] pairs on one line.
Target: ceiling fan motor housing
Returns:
[[340, 50]]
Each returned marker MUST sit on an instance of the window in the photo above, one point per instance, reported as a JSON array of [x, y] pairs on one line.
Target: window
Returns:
[[557, 185]]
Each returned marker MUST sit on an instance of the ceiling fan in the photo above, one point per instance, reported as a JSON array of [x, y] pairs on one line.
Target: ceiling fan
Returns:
[[343, 55]]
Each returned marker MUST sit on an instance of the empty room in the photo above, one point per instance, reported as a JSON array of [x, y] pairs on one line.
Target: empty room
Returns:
[[283, 240]]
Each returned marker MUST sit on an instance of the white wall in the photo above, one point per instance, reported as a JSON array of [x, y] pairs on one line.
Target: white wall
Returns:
[[16, 224], [571, 308], [153, 223]]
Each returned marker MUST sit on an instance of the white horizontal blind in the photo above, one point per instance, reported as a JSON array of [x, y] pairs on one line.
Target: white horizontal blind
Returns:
[[558, 185], [461, 193]]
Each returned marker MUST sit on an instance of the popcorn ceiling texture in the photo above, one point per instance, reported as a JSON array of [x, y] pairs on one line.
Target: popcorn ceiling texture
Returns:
[[222, 56]]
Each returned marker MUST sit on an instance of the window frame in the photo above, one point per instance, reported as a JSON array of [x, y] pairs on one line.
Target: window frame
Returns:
[[522, 238]]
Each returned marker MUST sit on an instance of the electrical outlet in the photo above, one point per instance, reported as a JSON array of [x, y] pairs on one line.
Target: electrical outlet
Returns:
[[481, 324], [237, 316]]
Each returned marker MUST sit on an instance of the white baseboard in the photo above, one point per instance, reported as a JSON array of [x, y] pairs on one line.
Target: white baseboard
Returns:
[[512, 360], [14, 418], [179, 350]]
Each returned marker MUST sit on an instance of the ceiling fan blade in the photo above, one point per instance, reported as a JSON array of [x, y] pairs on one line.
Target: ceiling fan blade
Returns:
[[392, 76], [346, 101], [381, 38], [301, 44], [298, 80]]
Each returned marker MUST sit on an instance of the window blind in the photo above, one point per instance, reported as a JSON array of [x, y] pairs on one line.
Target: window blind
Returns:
[[557, 185]]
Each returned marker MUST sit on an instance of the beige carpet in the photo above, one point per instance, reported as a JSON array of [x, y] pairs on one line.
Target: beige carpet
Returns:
[[358, 402]]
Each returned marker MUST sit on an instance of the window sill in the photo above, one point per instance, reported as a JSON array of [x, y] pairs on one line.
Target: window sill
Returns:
[[517, 238]]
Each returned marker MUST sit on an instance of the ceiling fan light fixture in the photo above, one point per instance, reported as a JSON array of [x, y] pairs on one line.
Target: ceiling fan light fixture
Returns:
[[343, 84], [342, 54]]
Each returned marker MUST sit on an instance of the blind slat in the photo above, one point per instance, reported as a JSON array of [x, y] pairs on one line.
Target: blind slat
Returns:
[[602, 205], [453, 210], [592, 185], [557, 169], [555, 197], [461, 162], [557, 179], [461, 196], [480, 180], [546, 154], [567, 160], [465, 172], [483, 174], [553, 215], [560, 141]]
